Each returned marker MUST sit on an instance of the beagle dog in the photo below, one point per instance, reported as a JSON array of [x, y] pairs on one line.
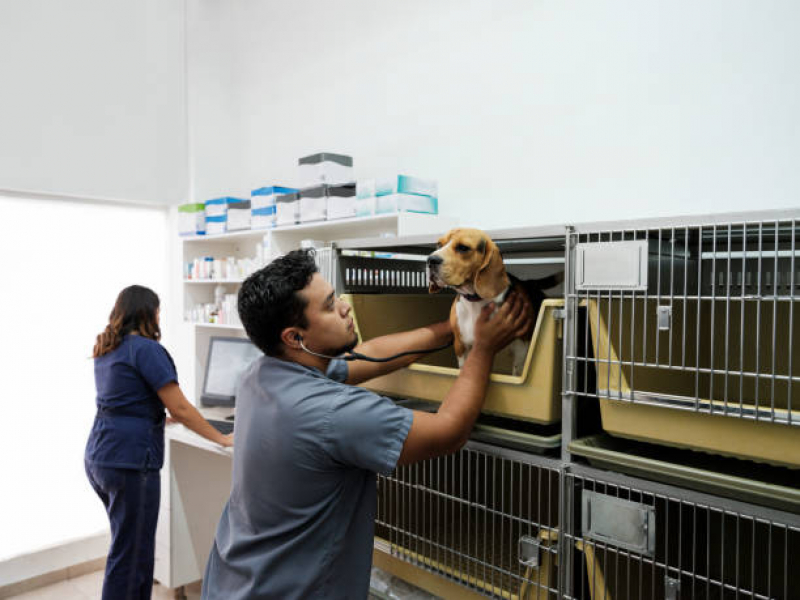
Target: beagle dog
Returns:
[[469, 262]]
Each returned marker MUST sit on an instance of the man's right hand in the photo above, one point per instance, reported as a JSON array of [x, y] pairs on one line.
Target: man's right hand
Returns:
[[512, 320]]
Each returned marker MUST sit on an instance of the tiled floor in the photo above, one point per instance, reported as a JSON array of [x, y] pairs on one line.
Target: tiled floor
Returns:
[[90, 586]]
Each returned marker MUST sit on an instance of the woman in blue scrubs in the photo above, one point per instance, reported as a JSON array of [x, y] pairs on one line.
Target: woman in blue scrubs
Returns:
[[136, 379]]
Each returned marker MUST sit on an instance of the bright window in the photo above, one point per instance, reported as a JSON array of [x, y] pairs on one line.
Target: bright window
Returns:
[[63, 264]]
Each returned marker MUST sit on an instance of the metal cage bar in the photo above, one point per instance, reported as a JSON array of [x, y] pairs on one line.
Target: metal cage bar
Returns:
[[713, 329], [485, 517], [702, 547]]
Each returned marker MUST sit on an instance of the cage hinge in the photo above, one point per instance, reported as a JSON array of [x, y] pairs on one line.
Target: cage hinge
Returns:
[[560, 314], [672, 588], [528, 552]]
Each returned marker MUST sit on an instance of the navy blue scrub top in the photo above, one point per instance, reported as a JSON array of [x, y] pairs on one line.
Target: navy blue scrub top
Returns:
[[128, 431]]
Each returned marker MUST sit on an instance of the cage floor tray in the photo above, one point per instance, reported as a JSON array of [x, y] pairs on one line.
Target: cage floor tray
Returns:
[[743, 480], [499, 431], [703, 411]]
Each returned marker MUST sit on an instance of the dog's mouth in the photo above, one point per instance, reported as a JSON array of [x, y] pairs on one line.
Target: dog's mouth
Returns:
[[435, 282]]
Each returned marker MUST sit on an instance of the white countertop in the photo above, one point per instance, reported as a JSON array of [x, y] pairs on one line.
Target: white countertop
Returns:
[[178, 433]]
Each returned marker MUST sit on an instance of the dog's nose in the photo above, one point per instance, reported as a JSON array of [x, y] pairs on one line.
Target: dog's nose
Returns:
[[434, 260]]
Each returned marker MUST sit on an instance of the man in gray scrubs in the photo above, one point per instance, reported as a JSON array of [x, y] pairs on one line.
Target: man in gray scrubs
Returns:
[[299, 522]]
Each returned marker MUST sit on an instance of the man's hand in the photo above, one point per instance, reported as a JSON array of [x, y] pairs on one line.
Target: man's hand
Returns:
[[512, 320], [227, 441]]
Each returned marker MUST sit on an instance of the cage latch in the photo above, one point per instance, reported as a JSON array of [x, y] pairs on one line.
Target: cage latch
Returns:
[[664, 317], [672, 587], [528, 552]]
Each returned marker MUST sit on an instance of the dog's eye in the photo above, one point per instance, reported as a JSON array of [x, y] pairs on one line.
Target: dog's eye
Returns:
[[462, 248]]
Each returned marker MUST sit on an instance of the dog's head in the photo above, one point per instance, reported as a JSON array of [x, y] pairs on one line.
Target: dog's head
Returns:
[[469, 262]]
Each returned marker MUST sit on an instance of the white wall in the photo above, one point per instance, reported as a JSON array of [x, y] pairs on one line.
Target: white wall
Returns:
[[528, 112], [93, 98], [65, 262]]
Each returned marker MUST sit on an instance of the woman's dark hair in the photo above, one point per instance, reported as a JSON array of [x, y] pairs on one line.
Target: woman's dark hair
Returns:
[[269, 302], [134, 310]]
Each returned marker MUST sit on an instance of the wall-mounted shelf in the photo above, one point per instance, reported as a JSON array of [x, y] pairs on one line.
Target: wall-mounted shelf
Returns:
[[218, 326], [195, 281]]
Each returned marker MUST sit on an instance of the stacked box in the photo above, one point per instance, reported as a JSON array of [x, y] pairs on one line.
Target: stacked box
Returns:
[[287, 209], [403, 193], [406, 203], [365, 198], [341, 201], [325, 167], [192, 219], [313, 203], [239, 215], [406, 184], [263, 202], [217, 214], [327, 202]]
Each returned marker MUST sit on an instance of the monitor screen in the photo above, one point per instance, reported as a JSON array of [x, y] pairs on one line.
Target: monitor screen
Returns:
[[227, 360]]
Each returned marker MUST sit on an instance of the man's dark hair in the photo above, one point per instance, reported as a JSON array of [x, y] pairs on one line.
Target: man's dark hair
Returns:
[[269, 302]]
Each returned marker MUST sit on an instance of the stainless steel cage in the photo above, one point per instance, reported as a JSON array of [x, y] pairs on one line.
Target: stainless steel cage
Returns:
[[487, 518], [699, 317], [629, 538]]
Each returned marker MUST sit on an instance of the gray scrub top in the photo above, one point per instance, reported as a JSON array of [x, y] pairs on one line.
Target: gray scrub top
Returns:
[[300, 519]]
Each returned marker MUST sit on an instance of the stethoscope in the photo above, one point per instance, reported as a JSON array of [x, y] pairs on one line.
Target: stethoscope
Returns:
[[358, 356]]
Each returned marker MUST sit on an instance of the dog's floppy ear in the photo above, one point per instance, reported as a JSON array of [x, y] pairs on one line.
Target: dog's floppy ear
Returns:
[[491, 278]]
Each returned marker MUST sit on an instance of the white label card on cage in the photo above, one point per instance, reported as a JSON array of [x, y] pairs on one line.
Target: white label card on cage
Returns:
[[611, 266]]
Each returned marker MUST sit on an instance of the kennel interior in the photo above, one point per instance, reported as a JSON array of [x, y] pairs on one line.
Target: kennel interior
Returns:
[[390, 295], [485, 518], [630, 539], [696, 318]]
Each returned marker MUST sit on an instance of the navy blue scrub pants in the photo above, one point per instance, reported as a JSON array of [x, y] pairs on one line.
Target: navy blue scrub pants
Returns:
[[131, 499]]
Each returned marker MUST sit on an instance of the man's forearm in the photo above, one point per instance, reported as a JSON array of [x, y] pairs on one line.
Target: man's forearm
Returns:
[[424, 338], [463, 403]]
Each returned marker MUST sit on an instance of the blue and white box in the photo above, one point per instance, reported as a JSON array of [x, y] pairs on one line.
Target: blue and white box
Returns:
[[263, 202], [217, 214], [216, 224]]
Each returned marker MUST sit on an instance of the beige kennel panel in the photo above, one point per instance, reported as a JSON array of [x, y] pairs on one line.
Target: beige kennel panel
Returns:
[[483, 518], [532, 395], [631, 540], [709, 329]]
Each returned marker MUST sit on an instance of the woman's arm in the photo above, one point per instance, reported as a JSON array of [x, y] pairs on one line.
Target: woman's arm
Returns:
[[186, 414]]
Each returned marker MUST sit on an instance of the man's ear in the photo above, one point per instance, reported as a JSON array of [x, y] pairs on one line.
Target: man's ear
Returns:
[[491, 278], [290, 337]]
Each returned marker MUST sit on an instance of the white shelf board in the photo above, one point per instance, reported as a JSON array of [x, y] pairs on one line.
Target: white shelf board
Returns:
[[398, 221], [231, 235], [213, 280], [218, 326]]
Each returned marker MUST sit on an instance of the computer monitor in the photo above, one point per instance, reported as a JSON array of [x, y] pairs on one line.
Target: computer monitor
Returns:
[[228, 357]]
